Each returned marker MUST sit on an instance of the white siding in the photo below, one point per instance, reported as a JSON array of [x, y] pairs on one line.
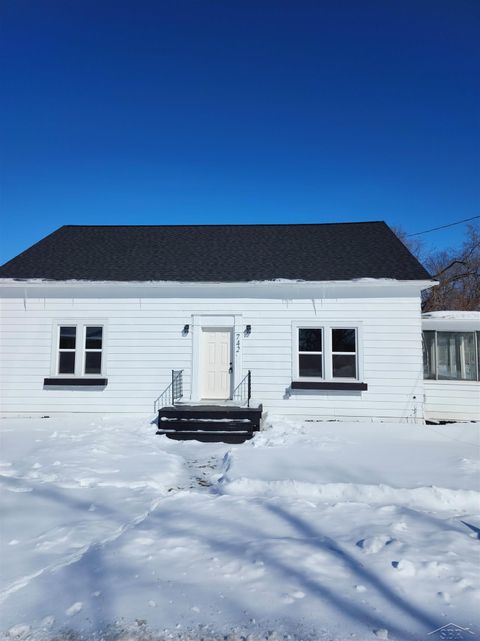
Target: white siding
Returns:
[[452, 400], [145, 342]]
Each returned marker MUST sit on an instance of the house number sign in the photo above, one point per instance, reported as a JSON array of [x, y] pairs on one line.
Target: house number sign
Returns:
[[237, 343]]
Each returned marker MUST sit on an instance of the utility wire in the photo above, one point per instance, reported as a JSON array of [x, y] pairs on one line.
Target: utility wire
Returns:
[[443, 226]]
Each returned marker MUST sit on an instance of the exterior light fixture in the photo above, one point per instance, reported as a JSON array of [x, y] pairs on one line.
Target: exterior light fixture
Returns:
[[186, 329], [248, 330]]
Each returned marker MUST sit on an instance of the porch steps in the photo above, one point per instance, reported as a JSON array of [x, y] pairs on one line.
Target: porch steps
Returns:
[[209, 423], [209, 437]]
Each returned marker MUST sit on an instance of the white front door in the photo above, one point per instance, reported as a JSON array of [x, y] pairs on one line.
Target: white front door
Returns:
[[216, 363]]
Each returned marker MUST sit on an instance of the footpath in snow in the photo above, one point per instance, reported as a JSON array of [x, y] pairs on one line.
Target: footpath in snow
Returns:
[[309, 531]]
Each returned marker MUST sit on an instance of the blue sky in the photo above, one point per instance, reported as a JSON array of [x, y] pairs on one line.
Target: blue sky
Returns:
[[210, 111]]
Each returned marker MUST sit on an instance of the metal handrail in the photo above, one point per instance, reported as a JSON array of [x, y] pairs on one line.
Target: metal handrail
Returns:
[[243, 391], [172, 392]]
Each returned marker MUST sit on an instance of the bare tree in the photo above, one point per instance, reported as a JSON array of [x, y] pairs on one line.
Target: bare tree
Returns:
[[458, 273]]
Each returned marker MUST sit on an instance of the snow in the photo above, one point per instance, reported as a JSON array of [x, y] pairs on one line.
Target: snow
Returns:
[[22, 282], [452, 315], [313, 530]]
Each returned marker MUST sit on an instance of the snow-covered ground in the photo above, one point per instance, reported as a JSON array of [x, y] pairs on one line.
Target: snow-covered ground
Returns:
[[315, 530]]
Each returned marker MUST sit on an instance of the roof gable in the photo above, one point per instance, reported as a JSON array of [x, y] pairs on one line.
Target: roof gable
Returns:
[[218, 253]]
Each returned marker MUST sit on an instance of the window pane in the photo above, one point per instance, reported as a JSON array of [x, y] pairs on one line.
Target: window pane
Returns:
[[478, 356], [456, 355], [343, 340], [67, 337], [66, 363], [344, 366], [429, 355], [93, 362], [93, 338], [309, 340], [310, 365]]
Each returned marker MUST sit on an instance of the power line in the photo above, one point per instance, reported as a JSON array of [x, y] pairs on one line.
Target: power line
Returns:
[[443, 226]]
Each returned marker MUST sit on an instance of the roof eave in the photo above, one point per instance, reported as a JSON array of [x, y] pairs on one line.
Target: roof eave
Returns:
[[372, 282]]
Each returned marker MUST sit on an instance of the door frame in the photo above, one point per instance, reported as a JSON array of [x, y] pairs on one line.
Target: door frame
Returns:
[[231, 322], [202, 364]]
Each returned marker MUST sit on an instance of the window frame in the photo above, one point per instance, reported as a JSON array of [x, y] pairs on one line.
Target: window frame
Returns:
[[476, 342], [312, 353], [80, 348], [327, 355], [61, 350], [91, 350], [355, 353]]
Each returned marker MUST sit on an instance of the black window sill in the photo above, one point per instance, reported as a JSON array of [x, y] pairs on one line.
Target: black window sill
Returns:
[[329, 385], [75, 382]]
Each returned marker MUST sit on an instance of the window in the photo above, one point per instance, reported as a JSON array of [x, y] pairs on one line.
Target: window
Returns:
[[79, 350], [310, 355], [93, 350], [67, 339], [327, 353], [456, 358], [344, 353], [451, 355], [478, 354], [429, 355]]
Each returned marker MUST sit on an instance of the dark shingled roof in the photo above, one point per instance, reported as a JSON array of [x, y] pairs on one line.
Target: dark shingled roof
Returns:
[[218, 253]]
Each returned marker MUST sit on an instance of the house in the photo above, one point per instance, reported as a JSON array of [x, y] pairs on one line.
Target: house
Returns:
[[451, 344], [308, 321]]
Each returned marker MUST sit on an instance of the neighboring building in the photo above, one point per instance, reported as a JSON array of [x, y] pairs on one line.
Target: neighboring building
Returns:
[[452, 366], [327, 319]]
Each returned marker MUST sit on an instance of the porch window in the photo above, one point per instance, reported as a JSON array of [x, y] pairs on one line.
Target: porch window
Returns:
[[451, 355], [429, 355]]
